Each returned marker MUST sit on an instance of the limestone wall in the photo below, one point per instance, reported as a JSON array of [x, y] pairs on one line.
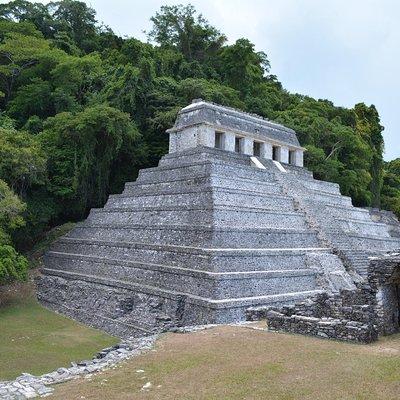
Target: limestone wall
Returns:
[[358, 315], [204, 135]]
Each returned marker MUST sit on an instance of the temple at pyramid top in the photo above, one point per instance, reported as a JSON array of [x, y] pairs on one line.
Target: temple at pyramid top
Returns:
[[207, 124]]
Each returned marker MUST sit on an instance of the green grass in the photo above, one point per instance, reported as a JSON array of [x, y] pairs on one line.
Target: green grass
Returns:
[[36, 340], [229, 363]]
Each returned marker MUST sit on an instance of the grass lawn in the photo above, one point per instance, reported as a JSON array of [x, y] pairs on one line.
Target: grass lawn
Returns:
[[239, 363], [35, 340]]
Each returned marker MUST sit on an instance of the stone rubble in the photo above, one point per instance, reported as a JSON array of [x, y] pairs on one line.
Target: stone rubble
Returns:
[[198, 328], [359, 315], [28, 386], [349, 316], [192, 328]]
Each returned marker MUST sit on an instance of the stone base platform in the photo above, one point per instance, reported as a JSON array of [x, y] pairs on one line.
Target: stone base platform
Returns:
[[202, 238]]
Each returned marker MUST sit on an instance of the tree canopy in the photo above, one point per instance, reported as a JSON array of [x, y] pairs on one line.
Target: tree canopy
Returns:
[[82, 110]]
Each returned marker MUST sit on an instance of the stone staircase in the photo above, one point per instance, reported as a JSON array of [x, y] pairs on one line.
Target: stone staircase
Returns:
[[349, 231], [196, 240]]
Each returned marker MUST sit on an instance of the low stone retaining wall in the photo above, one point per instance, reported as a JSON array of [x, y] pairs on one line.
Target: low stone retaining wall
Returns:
[[348, 315], [328, 328], [28, 386], [358, 315]]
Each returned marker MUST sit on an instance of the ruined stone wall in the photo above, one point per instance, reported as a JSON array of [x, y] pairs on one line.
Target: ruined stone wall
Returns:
[[349, 315], [384, 279], [388, 218], [359, 315]]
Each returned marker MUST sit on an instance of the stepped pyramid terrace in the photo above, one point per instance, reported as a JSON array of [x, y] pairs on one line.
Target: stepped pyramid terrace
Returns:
[[228, 225]]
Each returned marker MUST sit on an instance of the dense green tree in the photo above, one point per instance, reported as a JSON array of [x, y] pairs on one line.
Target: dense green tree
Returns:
[[64, 42], [19, 52], [13, 266], [23, 28], [22, 11], [33, 99], [122, 87], [339, 152], [33, 125], [82, 109], [43, 211], [22, 161], [181, 28], [78, 79], [78, 20], [68, 16], [11, 209], [367, 125], [190, 89], [82, 147], [241, 67], [391, 186]]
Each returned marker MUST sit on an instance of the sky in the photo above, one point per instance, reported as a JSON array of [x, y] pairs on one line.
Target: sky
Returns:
[[347, 51]]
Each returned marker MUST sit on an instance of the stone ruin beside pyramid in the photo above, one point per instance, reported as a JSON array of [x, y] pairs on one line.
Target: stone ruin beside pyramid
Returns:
[[228, 221]]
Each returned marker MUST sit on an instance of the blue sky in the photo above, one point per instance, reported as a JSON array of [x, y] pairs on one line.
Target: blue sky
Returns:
[[347, 51]]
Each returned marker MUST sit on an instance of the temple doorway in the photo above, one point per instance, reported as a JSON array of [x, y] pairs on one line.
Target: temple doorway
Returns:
[[389, 299]]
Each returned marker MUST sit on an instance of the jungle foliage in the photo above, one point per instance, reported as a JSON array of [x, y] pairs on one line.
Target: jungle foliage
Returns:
[[83, 109]]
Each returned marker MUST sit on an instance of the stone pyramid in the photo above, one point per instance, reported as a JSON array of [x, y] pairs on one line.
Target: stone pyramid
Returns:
[[211, 232]]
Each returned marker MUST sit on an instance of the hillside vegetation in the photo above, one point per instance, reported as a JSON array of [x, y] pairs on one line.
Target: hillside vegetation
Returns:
[[82, 110]]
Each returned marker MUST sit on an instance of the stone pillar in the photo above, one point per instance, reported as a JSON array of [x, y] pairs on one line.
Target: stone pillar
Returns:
[[205, 136], [229, 141], [247, 146], [284, 155], [300, 158], [186, 139], [172, 142], [266, 150]]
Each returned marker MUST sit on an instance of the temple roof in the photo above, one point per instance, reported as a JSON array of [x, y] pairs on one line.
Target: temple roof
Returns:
[[202, 112]]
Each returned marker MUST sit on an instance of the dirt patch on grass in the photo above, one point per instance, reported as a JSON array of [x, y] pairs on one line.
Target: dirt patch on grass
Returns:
[[239, 363], [17, 292]]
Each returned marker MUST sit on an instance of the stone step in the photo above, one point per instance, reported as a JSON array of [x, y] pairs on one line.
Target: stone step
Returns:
[[300, 172], [326, 187], [200, 182], [199, 235], [204, 154], [193, 170], [211, 259], [199, 309], [350, 212], [357, 255], [220, 216], [373, 243], [328, 198], [357, 261], [198, 197], [363, 227], [193, 282], [362, 253], [358, 258]]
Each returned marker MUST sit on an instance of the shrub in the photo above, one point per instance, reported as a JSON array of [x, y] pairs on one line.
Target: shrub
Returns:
[[13, 266]]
